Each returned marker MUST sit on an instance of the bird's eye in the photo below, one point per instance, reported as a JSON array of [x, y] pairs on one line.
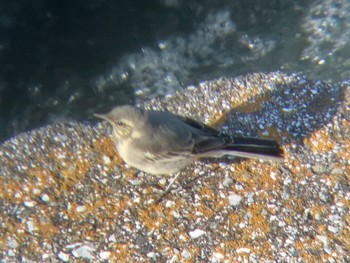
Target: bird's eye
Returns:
[[120, 123]]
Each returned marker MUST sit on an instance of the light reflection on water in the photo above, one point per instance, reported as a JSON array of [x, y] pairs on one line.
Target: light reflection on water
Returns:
[[221, 39]]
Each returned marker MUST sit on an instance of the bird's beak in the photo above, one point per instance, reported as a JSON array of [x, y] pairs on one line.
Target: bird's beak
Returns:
[[102, 116]]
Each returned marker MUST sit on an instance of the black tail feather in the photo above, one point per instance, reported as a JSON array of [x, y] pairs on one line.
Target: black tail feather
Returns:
[[255, 148]]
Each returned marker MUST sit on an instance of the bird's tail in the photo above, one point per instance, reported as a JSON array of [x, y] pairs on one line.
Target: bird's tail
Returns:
[[254, 148]]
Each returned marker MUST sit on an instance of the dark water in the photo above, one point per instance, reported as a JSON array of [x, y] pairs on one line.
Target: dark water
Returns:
[[64, 60]]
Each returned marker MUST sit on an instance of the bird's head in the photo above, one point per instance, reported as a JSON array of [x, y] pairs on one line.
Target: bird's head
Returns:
[[126, 120]]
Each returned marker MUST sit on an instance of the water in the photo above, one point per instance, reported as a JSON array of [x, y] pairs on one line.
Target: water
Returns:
[[63, 61]]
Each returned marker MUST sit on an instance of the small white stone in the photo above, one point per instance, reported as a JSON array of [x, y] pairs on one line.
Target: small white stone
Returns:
[[18, 195], [29, 203], [112, 238], [174, 259], [287, 181], [234, 199], [222, 165], [281, 223], [73, 245], [183, 238], [169, 204], [196, 233], [250, 198], [63, 256], [151, 254], [175, 214], [45, 198], [12, 243], [289, 242], [135, 182], [273, 218], [217, 257], [85, 251], [186, 255], [339, 204], [104, 255], [137, 200], [162, 181], [323, 239], [31, 226], [287, 109], [265, 133], [36, 191], [273, 176], [241, 225], [227, 182], [106, 160], [191, 87], [61, 156], [333, 229], [80, 208], [243, 250], [335, 219]]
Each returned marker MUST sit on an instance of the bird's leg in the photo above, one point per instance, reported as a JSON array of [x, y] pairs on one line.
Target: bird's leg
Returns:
[[172, 182], [168, 188]]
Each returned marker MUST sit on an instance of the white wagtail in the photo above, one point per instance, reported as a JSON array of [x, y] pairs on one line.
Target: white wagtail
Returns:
[[163, 143]]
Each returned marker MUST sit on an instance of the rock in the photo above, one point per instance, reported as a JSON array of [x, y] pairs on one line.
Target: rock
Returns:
[[76, 165]]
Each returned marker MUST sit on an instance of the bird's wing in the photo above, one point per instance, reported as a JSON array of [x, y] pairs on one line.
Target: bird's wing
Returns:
[[167, 137], [199, 126], [205, 137]]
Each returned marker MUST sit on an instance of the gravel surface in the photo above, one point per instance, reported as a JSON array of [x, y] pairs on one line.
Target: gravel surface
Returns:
[[67, 196]]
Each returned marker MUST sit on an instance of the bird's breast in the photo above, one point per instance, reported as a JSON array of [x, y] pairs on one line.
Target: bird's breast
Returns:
[[145, 161]]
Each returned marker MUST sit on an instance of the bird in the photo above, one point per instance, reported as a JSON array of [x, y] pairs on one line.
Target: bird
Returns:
[[163, 143]]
